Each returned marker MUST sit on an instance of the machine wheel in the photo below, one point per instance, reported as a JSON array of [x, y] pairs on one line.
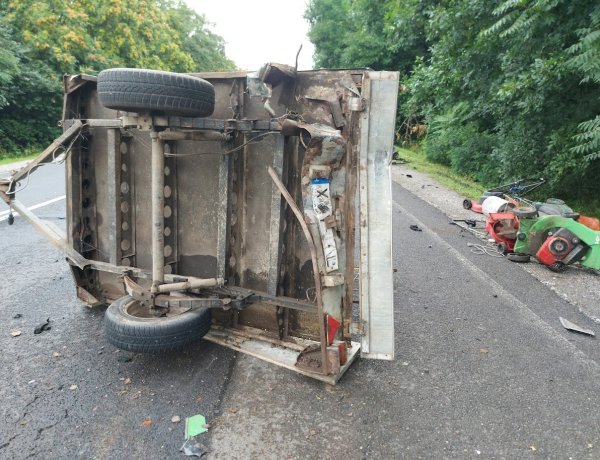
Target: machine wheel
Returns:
[[571, 215], [502, 248], [557, 267], [525, 212], [467, 204], [521, 258], [131, 327], [136, 90]]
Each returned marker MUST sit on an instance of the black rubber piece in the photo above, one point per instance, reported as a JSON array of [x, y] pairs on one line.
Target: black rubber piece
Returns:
[[153, 335], [525, 212], [557, 267], [522, 258], [135, 90], [467, 204]]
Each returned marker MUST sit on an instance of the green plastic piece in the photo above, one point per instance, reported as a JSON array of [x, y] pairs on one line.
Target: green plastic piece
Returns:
[[194, 426]]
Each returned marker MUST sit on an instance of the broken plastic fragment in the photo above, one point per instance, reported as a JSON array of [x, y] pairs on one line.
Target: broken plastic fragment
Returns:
[[193, 448], [15, 333], [194, 426], [45, 326], [574, 327]]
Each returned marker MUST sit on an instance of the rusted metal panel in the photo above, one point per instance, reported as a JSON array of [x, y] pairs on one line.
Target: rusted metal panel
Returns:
[[260, 197]]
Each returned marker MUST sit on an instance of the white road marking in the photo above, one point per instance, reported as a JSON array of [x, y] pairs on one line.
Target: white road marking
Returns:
[[4, 214]]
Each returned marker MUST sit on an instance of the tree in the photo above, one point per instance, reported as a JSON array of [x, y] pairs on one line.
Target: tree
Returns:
[[25, 87], [40, 40]]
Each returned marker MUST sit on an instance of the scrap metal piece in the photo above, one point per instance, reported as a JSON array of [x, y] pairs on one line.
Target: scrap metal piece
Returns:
[[574, 327]]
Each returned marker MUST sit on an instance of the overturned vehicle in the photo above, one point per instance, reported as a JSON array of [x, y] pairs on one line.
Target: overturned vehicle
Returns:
[[253, 210]]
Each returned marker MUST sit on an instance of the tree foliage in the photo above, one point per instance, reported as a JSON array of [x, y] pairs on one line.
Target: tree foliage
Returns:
[[508, 88], [42, 40]]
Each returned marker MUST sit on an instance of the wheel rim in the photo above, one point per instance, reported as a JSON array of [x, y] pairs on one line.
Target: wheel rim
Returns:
[[135, 309]]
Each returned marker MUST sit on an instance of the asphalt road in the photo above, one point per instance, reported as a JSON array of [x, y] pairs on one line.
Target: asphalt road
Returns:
[[483, 369], [46, 184]]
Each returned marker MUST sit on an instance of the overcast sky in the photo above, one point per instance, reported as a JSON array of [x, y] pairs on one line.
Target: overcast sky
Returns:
[[260, 31]]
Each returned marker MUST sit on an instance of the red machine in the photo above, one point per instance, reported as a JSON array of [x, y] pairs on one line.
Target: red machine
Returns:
[[503, 228], [557, 247]]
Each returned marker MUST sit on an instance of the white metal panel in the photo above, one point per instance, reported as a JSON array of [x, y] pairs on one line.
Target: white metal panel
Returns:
[[380, 90]]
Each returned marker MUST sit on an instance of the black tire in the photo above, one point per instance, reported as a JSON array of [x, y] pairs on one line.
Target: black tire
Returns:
[[467, 204], [146, 334], [571, 215], [521, 258], [135, 90], [525, 212]]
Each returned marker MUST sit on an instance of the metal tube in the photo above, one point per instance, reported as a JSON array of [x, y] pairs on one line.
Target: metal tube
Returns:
[[191, 284], [158, 221], [193, 136]]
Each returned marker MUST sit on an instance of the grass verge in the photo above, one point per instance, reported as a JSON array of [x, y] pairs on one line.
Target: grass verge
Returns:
[[471, 189], [13, 159], [443, 174]]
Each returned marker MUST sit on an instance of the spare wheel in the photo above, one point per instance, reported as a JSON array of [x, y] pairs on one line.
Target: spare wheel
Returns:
[[132, 327]]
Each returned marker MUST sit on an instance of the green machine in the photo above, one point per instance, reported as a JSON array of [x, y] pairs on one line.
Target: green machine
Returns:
[[555, 241]]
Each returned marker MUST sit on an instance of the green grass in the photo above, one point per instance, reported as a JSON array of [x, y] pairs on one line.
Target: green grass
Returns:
[[443, 174], [14, 158]]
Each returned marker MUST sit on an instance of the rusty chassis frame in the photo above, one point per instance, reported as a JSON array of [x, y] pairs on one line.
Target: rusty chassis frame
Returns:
[[329, 148]]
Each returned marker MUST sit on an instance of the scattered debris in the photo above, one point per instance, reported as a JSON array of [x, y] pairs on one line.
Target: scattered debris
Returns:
[[233, 410], [195, 425], [45, 326], [574, 327], [147, 422], [176, 419], [56, 354], [73, 387], [408, 175], [15, 333], [127, 381], [415, 228], [470, 222], [193, 448], [484, 351], [17, 316]]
